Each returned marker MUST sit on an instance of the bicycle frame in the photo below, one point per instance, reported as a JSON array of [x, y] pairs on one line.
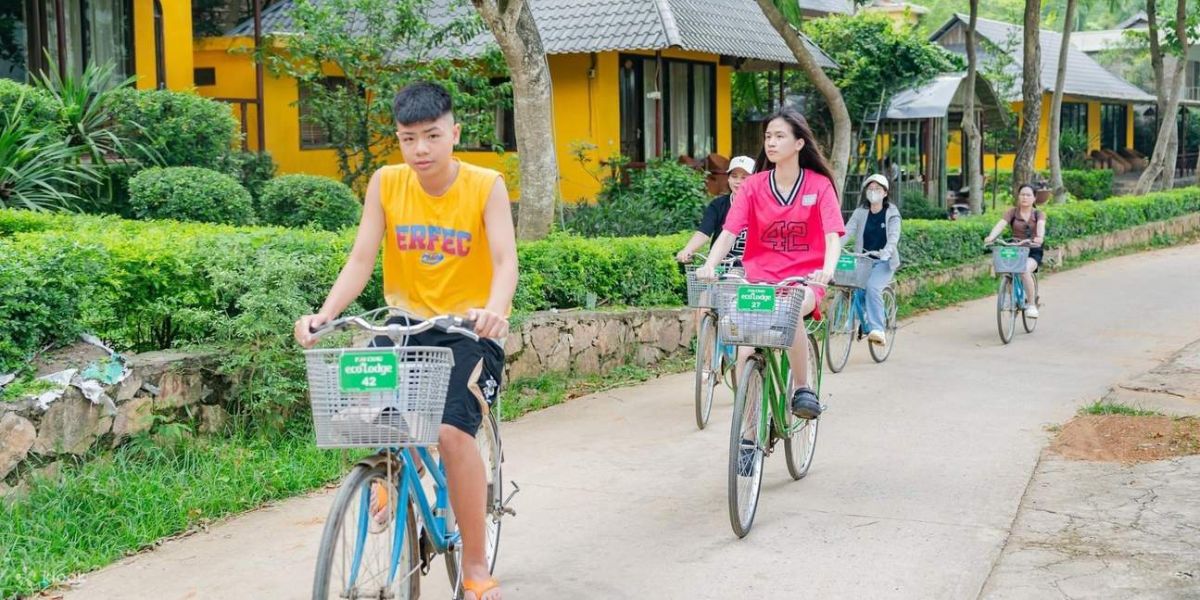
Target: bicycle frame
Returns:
[[410, 489], [776, 403]]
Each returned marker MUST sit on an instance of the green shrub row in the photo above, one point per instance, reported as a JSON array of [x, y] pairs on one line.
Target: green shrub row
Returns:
[[663, 198], [1083, 184]]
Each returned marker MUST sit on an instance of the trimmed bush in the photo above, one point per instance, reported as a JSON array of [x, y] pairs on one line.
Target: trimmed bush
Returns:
[[39, 110], [253, 169], [1083, 184], [665, 197], [914, 205], [180, 128], [302, 200], [189, 194]]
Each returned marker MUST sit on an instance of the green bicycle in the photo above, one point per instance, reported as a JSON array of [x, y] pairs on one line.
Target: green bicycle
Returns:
[[766, 318]]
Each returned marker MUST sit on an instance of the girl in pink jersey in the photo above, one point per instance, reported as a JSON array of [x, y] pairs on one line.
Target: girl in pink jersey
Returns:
[[793, 221]]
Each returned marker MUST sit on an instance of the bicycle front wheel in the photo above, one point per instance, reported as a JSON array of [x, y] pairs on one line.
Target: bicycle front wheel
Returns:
[[706, 368], [355, 559], [839, 335], [747, 439], [1028, 323], [881, 353], [1006, 309], [802, 441]]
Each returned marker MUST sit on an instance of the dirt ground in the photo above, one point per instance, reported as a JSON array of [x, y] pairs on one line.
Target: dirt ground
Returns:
[[1127, 439]]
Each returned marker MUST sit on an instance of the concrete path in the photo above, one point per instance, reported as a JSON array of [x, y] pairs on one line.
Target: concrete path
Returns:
[[920, 468]]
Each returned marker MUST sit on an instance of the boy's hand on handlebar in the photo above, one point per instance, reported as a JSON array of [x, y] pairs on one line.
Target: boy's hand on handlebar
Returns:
[[683, 256], [304, 327], [487, 323]]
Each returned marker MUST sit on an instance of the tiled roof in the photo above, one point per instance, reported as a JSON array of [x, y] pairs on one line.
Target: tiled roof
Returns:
[[1085, 77], [735, 28]]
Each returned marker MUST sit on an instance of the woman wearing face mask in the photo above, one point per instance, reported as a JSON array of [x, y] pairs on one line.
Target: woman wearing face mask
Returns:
[[875, 228], [793, 221], [1028, 229]]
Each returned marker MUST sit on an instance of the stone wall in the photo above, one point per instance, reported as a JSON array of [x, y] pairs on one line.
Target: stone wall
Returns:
[[174, 386]]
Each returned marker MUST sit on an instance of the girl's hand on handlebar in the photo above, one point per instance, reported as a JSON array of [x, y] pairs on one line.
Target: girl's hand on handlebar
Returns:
[[706, 272], [683, 256], [304, 327], [487, 323], [821, 277]]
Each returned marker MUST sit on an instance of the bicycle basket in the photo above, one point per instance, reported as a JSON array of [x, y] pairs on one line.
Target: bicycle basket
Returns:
[[762, 316], [853, 271], [699, 292], [1010, 259], [378, 397]]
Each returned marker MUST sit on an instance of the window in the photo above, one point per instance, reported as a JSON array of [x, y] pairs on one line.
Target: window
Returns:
[[1074, 117], [93, 31], [1114, 120], [685, 100], [313, 132], [204, 76], [503, 120]]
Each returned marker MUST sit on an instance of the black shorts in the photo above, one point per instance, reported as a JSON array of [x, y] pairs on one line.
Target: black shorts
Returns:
[[1036, 255], [474, 379]]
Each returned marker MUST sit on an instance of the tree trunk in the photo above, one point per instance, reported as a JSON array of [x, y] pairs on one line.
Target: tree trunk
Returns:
[[1056, 176], [1159, 161], [1031, 91], [970, 127], [511, 23], [840, 153]]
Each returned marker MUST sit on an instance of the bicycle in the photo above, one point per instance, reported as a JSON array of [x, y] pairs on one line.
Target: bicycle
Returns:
[[1009, 260], [848, 311], [391, 399], [714, 359], [766, 318]]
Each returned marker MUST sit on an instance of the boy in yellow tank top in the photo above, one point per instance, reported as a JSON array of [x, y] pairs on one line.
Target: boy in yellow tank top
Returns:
[[448, 248]]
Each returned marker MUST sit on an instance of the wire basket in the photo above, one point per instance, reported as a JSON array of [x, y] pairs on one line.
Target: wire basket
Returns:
[[762, 316], [378, 397], [853, 271], [698, 291], [1010, 259]]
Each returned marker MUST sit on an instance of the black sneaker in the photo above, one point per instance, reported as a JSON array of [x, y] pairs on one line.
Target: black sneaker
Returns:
[[805, 404], [746, 456]]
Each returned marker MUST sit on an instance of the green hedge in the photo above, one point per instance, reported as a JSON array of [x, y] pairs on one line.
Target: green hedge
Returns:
[[39, 109], [1083, 184], [302, 200], [190, 194], [183, 129]]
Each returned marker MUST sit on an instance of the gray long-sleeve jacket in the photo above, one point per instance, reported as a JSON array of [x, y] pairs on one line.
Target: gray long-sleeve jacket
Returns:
[[858, 222]]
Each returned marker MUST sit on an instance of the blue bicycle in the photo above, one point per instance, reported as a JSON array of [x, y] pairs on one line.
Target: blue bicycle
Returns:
[[383, 531], [1009, 260], [846, 311], [714, 358]]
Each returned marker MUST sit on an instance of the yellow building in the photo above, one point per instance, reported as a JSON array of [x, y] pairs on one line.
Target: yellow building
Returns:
[[643, 78], [904, 15], [149, 39], [1095, 101]]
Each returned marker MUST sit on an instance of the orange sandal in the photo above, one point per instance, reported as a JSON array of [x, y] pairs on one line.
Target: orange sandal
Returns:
[[479, 588]]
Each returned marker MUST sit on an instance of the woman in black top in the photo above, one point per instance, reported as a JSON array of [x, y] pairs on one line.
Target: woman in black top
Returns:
[[713, 220]]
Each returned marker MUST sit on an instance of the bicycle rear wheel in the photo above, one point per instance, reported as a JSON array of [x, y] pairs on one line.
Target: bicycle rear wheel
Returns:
[[1028, 323], [881, 353], [1006, 309], [355, 555], [706, 368], [841, 331], [487, 439], [802, 443], [747, 436]]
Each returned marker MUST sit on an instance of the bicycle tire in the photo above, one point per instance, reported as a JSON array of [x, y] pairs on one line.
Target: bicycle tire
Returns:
[[1026, 322], [706, 375], [491, 450], [802, 443], [748, 402], [839, 335], [890, 306], [347, 497], [1006, 313]]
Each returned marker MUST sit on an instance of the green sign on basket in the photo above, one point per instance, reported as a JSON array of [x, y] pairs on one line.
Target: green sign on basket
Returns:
[[368, 371], [1008, 253], [756, 298], [846, 263]]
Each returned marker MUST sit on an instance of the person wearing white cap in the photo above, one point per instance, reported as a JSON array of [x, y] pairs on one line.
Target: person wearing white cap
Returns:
[[713, 220], [875, 228]]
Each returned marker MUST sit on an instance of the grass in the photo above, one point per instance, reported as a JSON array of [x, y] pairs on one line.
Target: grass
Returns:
[[24, 387], [103, 507], [530, 394], [1100, 407]]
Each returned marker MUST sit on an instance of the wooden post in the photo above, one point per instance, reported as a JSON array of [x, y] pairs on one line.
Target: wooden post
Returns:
[[260, 120], [60, 23]]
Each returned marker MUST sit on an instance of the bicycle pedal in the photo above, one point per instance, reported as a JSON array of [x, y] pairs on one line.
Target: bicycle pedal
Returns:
[[504, 508]]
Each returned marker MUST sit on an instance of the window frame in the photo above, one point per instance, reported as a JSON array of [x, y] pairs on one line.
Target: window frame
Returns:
[[503, 114], [641, 61], [301, 92]]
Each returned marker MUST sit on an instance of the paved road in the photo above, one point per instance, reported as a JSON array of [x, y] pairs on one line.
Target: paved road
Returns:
[[920, 468]]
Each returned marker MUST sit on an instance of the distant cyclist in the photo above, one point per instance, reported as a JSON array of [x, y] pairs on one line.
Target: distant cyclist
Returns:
[[1028, 228], [875, 227]]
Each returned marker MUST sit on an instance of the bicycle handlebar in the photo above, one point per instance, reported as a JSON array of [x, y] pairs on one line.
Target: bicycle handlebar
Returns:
[[873, 254], [790, 280], [446, 323]]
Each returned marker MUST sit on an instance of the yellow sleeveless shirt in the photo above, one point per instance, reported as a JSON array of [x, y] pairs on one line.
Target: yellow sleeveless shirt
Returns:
[[436, 258]]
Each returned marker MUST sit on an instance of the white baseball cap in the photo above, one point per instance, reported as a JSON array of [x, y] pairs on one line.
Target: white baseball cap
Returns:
[[876, 178], [744, 163]]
